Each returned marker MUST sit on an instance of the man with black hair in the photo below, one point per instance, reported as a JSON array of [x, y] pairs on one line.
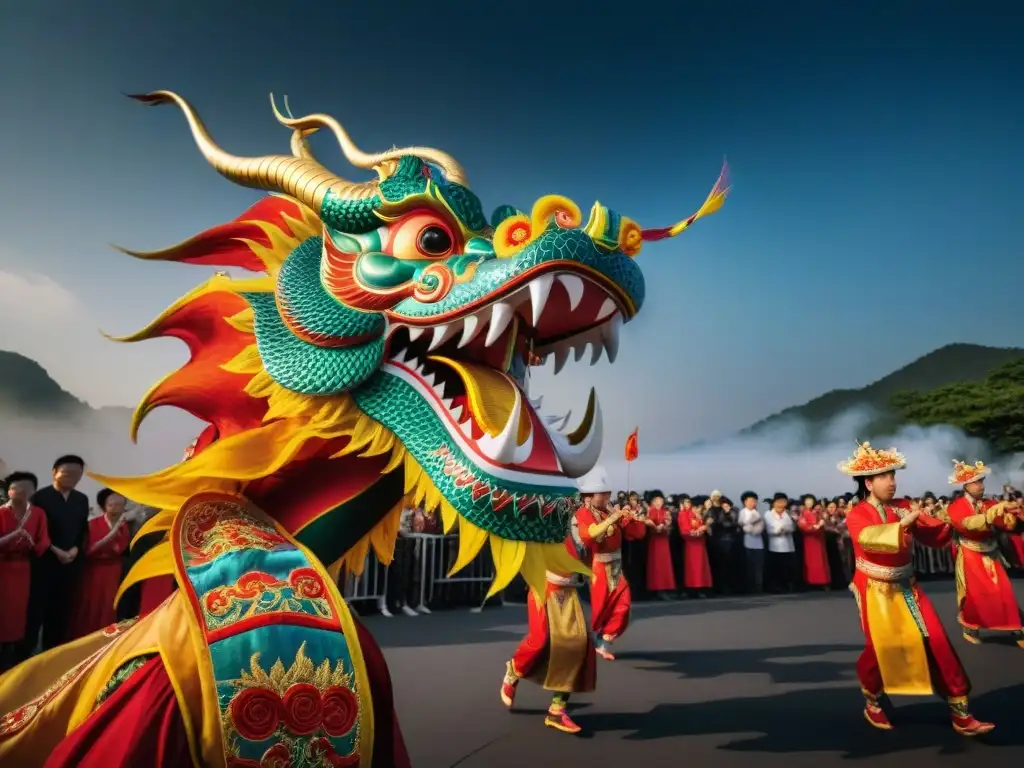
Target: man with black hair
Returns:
[[780, 562], [53, 577], [752, 523], [907, 651]]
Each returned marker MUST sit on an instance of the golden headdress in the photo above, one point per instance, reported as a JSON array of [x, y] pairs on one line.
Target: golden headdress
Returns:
[[967, 473], [868, 461]]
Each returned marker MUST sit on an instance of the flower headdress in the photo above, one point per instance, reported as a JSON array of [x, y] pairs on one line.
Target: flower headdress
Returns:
[[964, 473], [868, 461]]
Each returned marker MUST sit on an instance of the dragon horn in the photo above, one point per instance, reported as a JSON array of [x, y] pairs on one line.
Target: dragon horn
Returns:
[[300, 177], [715, 200], [451, 167], [300, 147]]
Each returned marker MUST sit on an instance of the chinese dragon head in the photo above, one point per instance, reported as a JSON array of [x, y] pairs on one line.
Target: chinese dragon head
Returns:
[[377, 358]]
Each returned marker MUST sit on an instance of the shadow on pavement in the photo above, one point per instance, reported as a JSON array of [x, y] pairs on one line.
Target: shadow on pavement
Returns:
[[825, 720], [789, 664]]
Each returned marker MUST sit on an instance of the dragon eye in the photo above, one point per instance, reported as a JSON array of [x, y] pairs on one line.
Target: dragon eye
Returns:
[[434, 241]]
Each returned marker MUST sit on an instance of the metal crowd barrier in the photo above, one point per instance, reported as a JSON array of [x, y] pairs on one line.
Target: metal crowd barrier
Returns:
[[434, 556]]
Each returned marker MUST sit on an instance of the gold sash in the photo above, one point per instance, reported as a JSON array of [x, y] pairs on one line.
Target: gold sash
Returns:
[[898, 639], [567, 640]]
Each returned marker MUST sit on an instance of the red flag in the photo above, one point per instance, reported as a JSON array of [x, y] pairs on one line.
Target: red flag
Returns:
[[633, 445]]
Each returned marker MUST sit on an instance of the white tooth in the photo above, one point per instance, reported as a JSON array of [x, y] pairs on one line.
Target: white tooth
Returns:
[[439, 391], [610, 336], [458, 412], [576, 460], [467, 428], [471, 327], [579, 349], [561, 355], [536, 403], [442, 333], [447, 403], [501, 315], [429, 378], [606, 309], [415, 333], [597, 347], [539, 290], [405, 356], [574, 287], [502, 448]]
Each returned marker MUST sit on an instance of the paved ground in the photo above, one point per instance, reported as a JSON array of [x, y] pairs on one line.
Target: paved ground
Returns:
[[742, 681]]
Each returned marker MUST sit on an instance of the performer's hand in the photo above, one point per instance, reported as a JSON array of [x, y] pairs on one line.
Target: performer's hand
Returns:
[[910, 518]]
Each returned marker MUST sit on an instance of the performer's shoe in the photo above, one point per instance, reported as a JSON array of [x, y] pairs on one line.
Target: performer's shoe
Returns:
[[559, 720], [970, 726], [972, 636], [877, 718], [508, 686], [1019, 639]]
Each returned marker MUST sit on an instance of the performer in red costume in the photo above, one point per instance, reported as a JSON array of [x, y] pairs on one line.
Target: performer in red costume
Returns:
[[907, 652], [661, 579], [105, 543], [984, 593], [23, 537], [601, 530], [696, 563], [812, 527], [557, 652]]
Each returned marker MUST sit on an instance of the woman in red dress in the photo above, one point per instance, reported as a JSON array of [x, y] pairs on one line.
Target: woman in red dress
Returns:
[[106, 543], [23, 536], [696, 565], [661, 580], [812, 526]]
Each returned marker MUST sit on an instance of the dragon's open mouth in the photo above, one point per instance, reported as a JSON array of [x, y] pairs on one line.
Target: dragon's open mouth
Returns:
[[472, 372]]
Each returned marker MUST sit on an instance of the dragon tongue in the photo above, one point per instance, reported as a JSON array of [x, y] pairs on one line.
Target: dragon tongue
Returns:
[[491, 396]]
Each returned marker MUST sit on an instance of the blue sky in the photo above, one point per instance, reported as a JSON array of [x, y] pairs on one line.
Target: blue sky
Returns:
[[876, 157]]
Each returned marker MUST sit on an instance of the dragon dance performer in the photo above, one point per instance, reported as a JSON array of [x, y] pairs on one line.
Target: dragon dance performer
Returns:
[[363, 367], [557, 651], [984, 593], [602, 531], [907, 650]]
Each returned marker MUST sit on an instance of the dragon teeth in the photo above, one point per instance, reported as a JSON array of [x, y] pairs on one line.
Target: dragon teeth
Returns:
[[501, 316], [540, 289], [470, 328], [442, 333], [415, 333], [574, 287], [606, 309], [610, 336]]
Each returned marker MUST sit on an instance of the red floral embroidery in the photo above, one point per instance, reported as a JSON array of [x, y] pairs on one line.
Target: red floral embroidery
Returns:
[[340, 709], [303, 709], [256, 713], [278, 756], [321, 749], [307, 583]]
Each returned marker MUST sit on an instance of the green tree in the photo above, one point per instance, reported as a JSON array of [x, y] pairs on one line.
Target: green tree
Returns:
[[991, 409]]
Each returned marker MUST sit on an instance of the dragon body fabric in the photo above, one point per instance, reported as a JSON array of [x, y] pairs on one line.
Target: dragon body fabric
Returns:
[[376, 359]]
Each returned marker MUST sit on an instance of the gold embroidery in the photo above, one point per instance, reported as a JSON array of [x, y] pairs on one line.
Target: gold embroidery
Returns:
[[886, 538], [257, 593], [214, 528], [885, 573]]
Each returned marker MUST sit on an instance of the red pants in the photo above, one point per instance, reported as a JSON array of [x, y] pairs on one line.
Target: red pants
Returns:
[[609, 609]]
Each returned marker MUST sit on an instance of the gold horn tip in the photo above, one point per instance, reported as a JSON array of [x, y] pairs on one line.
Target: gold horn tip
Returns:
[[151, 99]]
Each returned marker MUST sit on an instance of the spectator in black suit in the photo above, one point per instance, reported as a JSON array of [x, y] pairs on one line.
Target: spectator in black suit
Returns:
[[67, 517]]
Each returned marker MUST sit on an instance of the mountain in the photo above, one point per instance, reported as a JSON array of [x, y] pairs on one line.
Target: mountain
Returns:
[[28, 390], [948, 365]]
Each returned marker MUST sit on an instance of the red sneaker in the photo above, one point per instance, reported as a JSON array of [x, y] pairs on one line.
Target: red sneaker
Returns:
[[508, 693], [604, 653], [560, 721], [971, 726], [877, 717]]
